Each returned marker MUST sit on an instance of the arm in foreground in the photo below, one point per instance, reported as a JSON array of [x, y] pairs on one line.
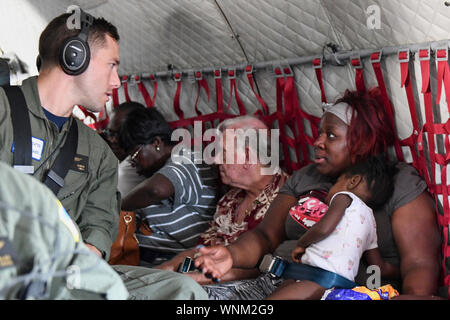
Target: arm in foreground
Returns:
[[251, 246]]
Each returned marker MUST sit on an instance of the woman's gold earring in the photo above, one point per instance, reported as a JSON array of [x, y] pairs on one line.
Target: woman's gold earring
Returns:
[[157, 148]]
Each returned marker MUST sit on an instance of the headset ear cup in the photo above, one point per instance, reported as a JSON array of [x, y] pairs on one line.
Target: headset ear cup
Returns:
[[38, 63], [74, 56]]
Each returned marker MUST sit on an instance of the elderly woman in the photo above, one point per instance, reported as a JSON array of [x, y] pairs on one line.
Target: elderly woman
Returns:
[[177, 199], [243, 207], [350, 131]]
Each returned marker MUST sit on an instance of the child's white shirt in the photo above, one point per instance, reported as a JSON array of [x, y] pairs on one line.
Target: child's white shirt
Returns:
[[341, 251]]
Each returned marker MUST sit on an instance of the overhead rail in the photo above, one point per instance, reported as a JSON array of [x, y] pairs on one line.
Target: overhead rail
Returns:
[[337, 58]]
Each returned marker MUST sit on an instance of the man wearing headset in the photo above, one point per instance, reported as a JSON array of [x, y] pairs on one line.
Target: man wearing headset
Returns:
[[76, 68]]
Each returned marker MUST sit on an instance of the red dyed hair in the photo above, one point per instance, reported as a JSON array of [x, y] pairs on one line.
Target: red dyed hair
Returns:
[[370, 131]]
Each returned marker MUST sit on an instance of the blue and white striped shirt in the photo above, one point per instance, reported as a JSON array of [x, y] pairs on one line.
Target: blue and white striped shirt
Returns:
[[178, 222]]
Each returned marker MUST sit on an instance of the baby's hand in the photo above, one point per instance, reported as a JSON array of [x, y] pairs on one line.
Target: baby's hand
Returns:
[[297, 253]]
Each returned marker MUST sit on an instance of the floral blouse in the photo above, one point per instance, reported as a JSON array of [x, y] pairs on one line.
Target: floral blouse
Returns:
[[224, 228]]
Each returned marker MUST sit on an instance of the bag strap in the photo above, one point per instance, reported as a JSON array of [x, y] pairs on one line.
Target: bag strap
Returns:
[[56, 175], [22, 142], [22, 133]]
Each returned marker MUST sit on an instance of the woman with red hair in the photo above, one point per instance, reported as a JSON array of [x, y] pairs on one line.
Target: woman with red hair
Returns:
[[353, 129]]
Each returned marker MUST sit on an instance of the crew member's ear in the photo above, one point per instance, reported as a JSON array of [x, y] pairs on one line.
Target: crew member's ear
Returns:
[[354, 181]]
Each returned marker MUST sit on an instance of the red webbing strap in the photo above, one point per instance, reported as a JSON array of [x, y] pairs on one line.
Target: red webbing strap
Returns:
[[294, 120], [155, 89], [233, 88], [443, 75], [443, 78], [280, 83], [125, 88], [442, 188], [424, 58], [143, 91], [219, 90], [375, 58], [317, 65], [97, 124], [176, 100], [87, 113], [359, 76], [115, 97], [249, 72], [149, 101], [201, 83], [418, 162]]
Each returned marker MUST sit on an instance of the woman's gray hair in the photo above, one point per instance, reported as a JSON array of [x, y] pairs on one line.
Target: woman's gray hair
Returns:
[[246, 123]]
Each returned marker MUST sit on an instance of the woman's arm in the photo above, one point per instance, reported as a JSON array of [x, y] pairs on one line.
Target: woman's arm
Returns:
[[417, 237], [388, 271], [150, 191], [251, 246]]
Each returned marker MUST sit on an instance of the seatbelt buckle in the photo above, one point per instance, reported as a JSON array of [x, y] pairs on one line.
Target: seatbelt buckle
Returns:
[[287, 70], [356, 62], [177, 76], [278, 71], [442, 53], [375, 57], [249, 69], [403, 55], [134, 79], [272, 265], [124, 79], [198, 75], [317, 63], [218, 73], [232, 74], [424, 53]]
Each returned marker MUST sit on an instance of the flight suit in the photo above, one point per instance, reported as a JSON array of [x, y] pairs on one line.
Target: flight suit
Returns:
[[42, 254], [90, 192]]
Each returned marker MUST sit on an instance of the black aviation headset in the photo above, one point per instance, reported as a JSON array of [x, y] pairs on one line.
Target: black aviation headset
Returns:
[[75, 53]]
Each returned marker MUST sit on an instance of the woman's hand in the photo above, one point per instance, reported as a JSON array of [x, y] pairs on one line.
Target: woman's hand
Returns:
[[174, 263], [215, 261]]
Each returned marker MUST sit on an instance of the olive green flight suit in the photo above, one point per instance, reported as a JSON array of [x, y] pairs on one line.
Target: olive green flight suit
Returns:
[[90, 188], [42, 255]]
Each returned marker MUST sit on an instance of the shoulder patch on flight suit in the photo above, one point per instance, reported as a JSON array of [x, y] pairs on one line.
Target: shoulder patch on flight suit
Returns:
[[68, 222], [7, 253], [80, 163]]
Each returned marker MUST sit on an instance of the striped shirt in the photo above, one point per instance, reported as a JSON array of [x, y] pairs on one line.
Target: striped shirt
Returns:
[[178, 222]]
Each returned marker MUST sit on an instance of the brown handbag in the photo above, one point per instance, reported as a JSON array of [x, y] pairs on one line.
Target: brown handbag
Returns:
[[125, 249]]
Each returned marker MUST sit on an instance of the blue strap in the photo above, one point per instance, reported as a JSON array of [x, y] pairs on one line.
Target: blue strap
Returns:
[[326, 279]]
